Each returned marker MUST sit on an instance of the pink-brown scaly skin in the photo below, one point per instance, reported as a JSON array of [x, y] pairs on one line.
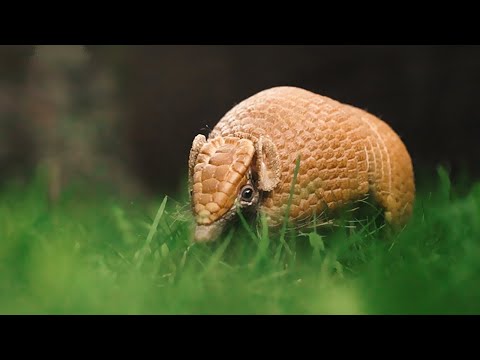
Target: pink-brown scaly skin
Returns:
[[345, 154]]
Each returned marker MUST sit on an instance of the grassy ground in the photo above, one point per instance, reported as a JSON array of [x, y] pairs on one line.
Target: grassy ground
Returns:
[[96, 254]]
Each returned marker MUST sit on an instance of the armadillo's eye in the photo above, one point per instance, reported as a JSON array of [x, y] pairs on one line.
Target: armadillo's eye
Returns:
[[247, 193]]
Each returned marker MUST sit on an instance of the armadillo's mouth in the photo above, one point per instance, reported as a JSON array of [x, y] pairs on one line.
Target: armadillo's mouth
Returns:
[[207, 233]]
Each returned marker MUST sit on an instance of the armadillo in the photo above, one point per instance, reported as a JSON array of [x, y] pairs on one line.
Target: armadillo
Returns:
[[249, 160]]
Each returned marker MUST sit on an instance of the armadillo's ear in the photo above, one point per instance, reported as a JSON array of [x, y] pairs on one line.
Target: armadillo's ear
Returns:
[[267, 164], [197, 144]]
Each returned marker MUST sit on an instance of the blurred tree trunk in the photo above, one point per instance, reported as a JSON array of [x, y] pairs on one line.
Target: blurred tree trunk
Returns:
[[17, 153], [70, 104]]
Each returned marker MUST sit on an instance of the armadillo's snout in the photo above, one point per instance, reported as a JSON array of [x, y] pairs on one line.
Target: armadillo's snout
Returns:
[[207, 233]]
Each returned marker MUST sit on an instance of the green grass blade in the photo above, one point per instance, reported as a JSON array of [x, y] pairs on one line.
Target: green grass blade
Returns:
[[217, 255], [140, 255], [246, 226]]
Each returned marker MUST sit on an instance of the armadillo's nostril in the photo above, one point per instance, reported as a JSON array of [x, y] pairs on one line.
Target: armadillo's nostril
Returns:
[[207, 233], [201, 237], [202, 234]]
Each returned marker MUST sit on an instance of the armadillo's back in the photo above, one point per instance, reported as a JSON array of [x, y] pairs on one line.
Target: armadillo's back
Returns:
[[345, 153]]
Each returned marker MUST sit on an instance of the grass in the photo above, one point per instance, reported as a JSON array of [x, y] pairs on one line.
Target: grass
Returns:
[[96, 254]]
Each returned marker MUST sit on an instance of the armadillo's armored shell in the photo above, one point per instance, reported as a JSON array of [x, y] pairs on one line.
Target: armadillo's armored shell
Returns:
[[346, 153]]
